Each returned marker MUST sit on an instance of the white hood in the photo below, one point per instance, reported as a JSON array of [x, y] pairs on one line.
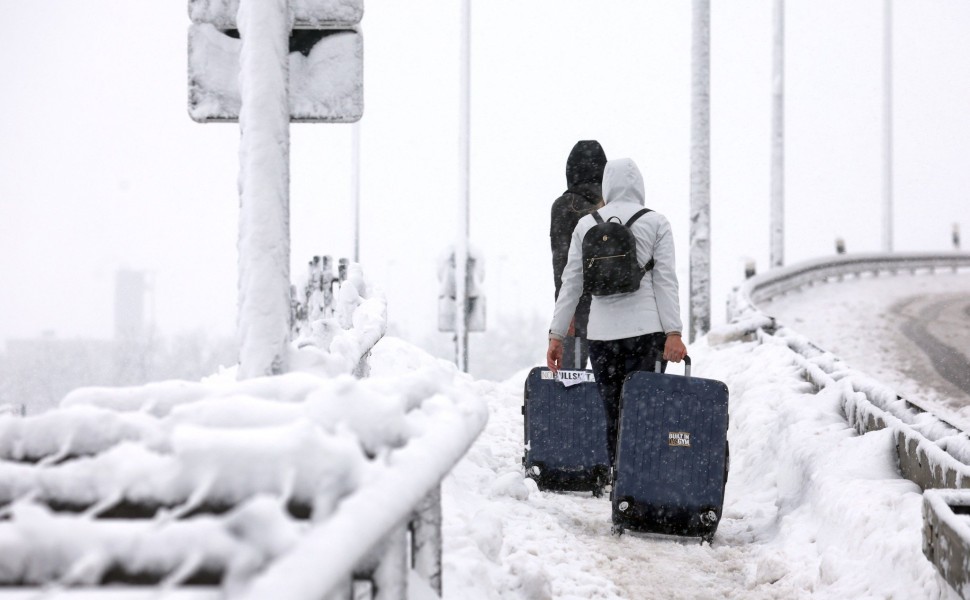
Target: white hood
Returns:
[[622, 181]]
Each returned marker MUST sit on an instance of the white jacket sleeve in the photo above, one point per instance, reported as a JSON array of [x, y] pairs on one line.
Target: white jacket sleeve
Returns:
[[664, 276], [571, 290]]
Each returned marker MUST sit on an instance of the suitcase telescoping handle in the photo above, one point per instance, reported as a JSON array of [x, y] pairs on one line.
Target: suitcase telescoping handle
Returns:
[[656, 368]]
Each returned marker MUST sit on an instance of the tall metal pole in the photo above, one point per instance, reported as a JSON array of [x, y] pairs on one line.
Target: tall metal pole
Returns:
[[355, 185], [700, 173], [264, 188], [778, 139], [887, 127], [464, 179]]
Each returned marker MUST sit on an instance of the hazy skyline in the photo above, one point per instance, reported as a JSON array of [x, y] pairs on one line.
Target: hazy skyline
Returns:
[[101, 168]]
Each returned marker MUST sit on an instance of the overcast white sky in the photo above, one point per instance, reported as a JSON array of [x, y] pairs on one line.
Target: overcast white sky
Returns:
[[101, 168]]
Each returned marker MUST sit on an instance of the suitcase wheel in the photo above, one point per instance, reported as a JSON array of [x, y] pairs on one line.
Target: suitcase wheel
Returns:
[[601, 480], [616, 530]]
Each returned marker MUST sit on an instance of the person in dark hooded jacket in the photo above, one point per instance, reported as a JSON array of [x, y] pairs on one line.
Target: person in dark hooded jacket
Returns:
[[584, 178]]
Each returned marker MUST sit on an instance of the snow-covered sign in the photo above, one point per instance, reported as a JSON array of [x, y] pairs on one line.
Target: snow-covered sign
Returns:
[[447, 290], [326, 79], [306, 13]]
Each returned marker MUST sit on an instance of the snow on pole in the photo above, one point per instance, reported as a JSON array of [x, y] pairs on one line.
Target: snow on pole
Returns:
[[464, 167], [778, 139], [264, 180], [700, 173], [887, 127], [355, 185]]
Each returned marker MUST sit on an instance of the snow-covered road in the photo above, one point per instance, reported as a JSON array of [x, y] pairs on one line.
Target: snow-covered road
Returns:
[[812, 509], [911, 332]]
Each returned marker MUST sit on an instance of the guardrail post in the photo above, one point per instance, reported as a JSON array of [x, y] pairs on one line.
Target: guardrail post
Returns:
[[839, 246], [750, 269], [956, 236], [946, 539], [345, 592], [391, 574], [426, 540]]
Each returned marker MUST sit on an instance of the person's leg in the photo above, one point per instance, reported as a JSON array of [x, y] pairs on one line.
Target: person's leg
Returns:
[[609, 378], [644, 352]]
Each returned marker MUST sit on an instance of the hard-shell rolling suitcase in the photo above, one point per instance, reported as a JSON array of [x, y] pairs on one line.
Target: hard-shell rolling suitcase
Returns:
[[672, 455], [565, 431]]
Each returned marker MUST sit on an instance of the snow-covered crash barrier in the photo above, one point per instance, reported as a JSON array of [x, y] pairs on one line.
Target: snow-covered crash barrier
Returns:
[[293, 483], [930, 451]]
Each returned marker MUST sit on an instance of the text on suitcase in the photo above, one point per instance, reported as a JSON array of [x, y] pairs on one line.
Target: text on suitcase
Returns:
[[568, 378], [679, 438]]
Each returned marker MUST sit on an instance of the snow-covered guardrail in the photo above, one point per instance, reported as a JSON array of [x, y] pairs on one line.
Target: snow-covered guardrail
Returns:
[[931, 452], [299, 486], [793, 277], [285, 483]]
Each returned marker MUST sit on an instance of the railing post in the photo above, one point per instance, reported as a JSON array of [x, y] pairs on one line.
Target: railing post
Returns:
[[426, 540], [345, 592], [391, 574]]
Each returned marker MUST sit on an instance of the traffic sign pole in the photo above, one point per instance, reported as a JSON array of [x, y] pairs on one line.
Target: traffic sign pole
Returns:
[[264, 188]]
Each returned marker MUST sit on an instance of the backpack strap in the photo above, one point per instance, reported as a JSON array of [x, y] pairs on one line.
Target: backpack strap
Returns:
[[639, 214], [596, 215], [647, 267]]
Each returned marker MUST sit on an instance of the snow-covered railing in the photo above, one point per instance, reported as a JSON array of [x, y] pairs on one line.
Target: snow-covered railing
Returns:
[[790, 278], [294, 483], [931, 452], [336, 320]]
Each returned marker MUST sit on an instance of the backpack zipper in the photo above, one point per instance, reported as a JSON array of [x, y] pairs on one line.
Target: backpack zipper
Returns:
[[596, 258]]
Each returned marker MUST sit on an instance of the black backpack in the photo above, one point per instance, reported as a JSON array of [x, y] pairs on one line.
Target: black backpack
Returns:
[[610, 257]]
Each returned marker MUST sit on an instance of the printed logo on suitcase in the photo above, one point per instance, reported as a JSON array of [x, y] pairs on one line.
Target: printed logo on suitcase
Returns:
[[679, 439]]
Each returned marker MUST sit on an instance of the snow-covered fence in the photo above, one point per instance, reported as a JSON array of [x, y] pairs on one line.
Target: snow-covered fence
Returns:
[[931, 452], [289, 486], [337, 319]]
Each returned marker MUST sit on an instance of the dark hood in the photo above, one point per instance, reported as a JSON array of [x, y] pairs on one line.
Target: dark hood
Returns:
[[585, 163]]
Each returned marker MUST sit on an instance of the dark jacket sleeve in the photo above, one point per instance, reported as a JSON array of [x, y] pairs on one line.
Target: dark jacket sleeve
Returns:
[[561, 225]]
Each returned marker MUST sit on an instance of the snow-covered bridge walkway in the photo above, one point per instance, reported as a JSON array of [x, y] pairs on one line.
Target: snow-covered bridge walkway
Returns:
[[812, 509]]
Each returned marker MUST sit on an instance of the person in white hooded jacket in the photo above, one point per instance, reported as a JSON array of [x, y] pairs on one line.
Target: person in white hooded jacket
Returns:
[[627, 332]]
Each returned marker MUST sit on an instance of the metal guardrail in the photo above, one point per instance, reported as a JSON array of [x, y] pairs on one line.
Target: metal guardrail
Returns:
[[931, 452], [794, 277], [150, 487]]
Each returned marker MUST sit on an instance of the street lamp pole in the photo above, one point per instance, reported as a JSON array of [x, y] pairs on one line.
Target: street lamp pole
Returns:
[[887, 127], [700, 173], [464, 165]]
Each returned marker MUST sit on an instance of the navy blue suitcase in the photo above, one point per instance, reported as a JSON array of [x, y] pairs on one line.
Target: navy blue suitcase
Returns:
[[672, 455], [565, 432]]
